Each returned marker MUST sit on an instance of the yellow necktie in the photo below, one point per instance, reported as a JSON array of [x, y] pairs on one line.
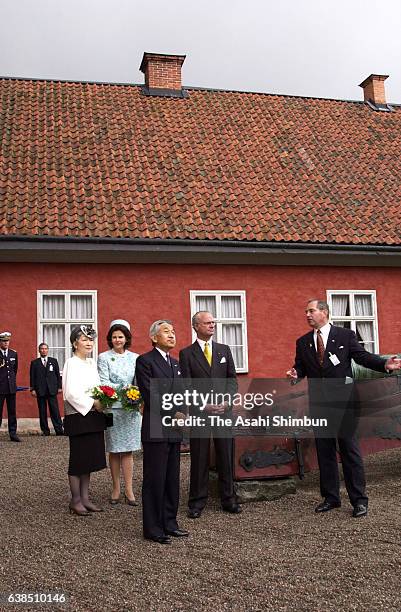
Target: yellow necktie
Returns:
[[208, 353]]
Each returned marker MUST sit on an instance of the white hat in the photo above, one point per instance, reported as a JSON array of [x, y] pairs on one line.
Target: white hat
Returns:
[[120, 322], [5, 335]]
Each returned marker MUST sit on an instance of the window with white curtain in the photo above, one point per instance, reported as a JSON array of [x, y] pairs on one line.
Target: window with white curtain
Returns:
[[229, 311], [58, 313], [356, 310]]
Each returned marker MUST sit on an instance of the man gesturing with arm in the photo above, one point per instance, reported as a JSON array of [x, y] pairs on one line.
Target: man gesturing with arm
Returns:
[[326, 353]]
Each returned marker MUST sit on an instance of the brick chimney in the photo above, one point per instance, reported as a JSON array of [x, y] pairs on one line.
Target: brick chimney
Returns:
[[373, 89], [162, 75]]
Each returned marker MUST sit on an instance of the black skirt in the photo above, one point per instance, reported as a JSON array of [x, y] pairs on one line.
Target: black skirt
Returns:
[[87, 454]]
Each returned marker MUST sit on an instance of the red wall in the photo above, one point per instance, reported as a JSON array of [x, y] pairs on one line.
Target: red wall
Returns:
[[275, 302]]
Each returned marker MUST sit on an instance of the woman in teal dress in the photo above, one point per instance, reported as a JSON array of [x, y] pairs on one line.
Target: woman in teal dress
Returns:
[[117, 369]]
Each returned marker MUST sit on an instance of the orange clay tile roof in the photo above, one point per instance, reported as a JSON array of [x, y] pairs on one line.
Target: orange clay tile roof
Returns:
[[103, 160]]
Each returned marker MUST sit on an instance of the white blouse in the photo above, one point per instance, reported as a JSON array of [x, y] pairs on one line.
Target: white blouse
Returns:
[[79, 378]]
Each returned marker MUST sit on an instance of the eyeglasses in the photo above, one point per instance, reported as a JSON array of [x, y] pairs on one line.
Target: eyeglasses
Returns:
[[88, 331]]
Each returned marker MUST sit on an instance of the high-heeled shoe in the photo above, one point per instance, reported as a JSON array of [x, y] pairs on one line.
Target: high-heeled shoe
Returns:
[[94, 509], [78, 512], [131, 502], [113, 501]]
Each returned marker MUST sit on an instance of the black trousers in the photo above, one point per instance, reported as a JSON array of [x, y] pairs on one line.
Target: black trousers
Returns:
[[160, 487], [199, 480], [354, 473], [11, 412], [51, 401]]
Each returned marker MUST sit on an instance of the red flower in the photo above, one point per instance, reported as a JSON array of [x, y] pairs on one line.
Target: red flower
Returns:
[[109, 391]]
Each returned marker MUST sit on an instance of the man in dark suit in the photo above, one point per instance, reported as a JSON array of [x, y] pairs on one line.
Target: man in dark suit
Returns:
[[45, 383], [8, 384], [161, 442], [326, 353], [210, 367]]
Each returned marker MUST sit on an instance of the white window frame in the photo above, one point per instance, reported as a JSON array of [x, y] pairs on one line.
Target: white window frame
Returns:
[[353, 318], [219, 320], [67, 321]]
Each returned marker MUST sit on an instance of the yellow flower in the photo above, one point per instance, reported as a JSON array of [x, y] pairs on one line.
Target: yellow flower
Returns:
[[133, 394]]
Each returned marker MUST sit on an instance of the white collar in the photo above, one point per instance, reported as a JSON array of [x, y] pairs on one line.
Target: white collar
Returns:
[[203, 342], [325, 330], [162, 353]]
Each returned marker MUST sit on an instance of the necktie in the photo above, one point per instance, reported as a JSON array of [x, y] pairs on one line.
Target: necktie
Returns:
[[44, 361], [208, 353], [320, 347], [168, 359]]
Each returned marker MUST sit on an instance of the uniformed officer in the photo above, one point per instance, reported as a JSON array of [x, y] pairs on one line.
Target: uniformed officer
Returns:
[[8, 385]]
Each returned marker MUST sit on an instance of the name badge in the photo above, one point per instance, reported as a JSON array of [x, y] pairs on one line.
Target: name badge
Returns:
[[334, 359]]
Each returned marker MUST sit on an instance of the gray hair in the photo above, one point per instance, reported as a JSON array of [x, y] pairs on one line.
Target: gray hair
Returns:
[[43, 344], [155, 327], [320, 305], [196, 316]]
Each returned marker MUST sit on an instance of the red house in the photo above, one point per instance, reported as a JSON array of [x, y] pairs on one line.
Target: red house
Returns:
[[157, 200]]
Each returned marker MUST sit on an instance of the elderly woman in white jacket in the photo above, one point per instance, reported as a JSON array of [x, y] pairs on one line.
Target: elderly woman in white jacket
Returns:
[[84, 422]]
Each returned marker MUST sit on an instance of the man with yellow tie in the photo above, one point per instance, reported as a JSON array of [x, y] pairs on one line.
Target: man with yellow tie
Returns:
[[210, 368]]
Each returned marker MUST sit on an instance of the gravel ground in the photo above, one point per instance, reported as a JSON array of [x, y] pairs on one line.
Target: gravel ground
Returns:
[[274, 556]]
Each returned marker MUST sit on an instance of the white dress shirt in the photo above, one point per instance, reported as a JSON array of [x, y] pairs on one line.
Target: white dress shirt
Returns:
[[162, 353], [325, 330], [203, 342]]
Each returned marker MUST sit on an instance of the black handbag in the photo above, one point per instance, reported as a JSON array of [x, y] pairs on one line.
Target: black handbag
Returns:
[[92, 422]]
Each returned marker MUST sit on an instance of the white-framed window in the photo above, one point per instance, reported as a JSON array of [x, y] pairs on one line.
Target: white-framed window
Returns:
[[58, 313], [229, 311], [356, 310]]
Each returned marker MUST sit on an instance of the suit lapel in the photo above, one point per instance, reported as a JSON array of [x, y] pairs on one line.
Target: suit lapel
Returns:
[[216, 357], [175, 366], [200, 357], [330, 346], [331, 342], [162, 363], [311, 348]]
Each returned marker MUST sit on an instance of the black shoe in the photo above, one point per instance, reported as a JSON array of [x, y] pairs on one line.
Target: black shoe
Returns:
[[14, 438], [233, 509], [78, 512], [131, 502], [45, 433], [360, 510], [160, 539], [325, 506], [60, 433], [178, 533], [194, 514]]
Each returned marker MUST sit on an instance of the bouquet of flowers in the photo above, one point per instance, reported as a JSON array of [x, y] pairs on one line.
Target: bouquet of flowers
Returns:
[[130, 398], [105, 394]]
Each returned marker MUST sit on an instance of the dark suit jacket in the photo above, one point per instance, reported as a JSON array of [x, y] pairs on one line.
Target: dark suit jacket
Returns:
[[153, 366], [343, 343], [195, 366], [8, 373], [45, 380]]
